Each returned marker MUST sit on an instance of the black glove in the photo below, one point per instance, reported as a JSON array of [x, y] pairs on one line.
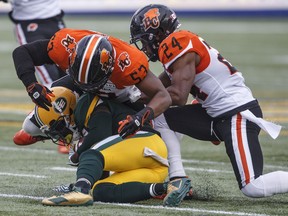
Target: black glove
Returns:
[[40, 95], [6, 1], [134, 123]]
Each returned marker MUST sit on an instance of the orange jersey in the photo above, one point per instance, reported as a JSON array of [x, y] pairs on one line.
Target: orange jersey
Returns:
[[179, 43], [131, 65], [217, 85]]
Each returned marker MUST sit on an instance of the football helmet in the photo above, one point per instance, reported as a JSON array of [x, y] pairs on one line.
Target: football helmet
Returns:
[[92, 62], [58, 123], [149, 26]]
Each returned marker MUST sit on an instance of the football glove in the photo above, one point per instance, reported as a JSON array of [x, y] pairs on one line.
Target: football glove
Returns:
[[134, 123], [40, 95]]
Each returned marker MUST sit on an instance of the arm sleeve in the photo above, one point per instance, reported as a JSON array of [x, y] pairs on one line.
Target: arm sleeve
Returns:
[[27, 56], [100, 127]]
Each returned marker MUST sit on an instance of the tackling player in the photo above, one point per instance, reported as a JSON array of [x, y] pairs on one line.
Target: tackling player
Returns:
[[227, 110], [122, 65]]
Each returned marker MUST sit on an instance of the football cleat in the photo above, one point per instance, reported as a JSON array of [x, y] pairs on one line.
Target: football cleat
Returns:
[[74, 198], [64, 188], [176, 191], [23, 138], [188, 196]]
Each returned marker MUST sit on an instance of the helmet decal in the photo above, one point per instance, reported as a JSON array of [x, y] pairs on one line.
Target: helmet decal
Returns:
[[124, 60], [69, 43], [92, 63], [151, 19], [105, 60], [60, 105], [87, 58]]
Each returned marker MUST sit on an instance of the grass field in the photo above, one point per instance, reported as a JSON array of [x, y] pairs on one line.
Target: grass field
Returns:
[[258, 48]]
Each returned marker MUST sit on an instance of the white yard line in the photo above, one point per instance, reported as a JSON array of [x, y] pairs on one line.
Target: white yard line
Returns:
[[24, 149], [27, 149], [20, 196], [22, 175], [71, 169]]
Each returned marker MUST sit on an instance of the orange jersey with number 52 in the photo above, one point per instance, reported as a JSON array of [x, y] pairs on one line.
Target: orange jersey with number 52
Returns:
[[130, 67]]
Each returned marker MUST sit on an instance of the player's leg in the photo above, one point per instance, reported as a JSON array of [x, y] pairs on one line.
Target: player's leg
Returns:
[[131, 186], [176, 169], [30, 132], [244, 150], [146, 150]]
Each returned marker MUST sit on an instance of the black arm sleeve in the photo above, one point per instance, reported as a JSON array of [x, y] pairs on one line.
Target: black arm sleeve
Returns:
[[27, 56], [99, 126]]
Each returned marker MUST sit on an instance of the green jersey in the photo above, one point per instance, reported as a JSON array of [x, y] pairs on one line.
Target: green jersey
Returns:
[[98, 118]]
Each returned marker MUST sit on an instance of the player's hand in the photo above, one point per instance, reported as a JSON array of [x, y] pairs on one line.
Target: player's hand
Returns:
[[40, 95], [134, 123]]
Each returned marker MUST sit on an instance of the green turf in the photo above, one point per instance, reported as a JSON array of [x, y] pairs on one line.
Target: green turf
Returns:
[[258, 48]]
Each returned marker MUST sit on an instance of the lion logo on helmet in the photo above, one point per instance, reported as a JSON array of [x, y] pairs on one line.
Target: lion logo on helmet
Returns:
[[124, 60], [151, 19], [105, 60]]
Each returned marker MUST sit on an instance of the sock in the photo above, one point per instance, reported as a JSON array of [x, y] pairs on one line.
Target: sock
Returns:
[[84, 184], [129, 192], [157, 189]]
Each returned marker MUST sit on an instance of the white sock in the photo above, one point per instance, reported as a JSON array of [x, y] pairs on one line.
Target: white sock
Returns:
[[267, 185], [172, 142]]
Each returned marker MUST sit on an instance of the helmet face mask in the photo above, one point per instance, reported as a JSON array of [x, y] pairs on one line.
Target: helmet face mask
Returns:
[[61, 130], [58, 123], [92, 63], [150, 25]]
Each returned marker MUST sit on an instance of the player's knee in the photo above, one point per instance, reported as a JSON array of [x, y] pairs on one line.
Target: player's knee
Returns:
[[255, 189], [91, 155]]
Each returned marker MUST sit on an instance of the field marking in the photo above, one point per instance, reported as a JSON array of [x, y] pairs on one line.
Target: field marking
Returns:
[[206, 170], [227, 163], [147, 206], [22, 148], [22, 175], [184, 209], [74, 169], [21, 196]]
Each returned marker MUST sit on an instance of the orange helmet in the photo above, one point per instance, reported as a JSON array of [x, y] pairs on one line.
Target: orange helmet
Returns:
[[58, 123]]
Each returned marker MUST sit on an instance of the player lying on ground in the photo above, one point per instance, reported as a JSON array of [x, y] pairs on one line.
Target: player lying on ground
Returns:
[[137, 162]]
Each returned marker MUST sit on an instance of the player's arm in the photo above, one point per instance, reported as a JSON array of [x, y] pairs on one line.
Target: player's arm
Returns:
[[165, 79], [27, 56], [159, 102], [152, 87], [99, 128], [183, 72]]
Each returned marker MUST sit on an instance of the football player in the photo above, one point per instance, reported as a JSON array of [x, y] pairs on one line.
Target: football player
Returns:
[[35, 20], [31, 128], [139, 163], [120, 65], [227, 110]]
